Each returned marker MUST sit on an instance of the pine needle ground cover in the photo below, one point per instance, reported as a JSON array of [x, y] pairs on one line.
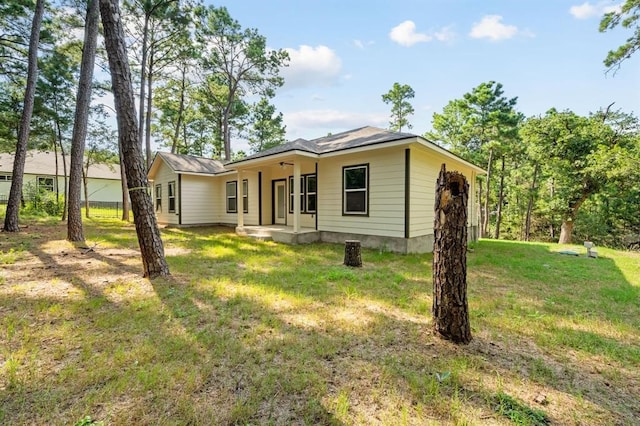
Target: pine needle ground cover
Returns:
[[251, 332]]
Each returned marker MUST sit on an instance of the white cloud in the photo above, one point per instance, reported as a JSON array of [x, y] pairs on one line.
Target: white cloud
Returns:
[[405, 34], [311, 66], [587, 10], [491, 27], [445, 34], [332, 119], [362, 44]]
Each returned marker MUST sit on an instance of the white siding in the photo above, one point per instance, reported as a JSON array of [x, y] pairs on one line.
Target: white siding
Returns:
[[425, 167], [198, 199], [163, 177], [386, 194], [99, 189]]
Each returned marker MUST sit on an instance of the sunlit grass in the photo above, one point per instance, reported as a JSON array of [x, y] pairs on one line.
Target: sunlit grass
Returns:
[[253, 332]]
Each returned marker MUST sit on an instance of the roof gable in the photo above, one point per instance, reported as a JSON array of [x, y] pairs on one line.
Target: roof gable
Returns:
[[180, 163]]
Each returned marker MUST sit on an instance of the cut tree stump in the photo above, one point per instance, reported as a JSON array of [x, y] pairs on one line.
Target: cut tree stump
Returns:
[[450, 308], [352, 253]]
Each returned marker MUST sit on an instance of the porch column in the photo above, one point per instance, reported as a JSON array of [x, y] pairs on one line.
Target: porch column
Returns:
[[296, 197], [239, 201]]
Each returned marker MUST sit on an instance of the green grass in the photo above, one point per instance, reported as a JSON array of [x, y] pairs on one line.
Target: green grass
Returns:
[[251, 332]]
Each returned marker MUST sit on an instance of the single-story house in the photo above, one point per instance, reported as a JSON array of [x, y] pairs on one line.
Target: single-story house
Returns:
[[369, 184], [103, 183]]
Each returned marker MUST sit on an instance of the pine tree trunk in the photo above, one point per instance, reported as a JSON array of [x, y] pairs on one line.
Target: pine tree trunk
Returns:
[[75, 231], [147, 130], [496, 234], [527, 229], [64, 171], [450, 308], [11, 219], [485, 223], [151, 247]]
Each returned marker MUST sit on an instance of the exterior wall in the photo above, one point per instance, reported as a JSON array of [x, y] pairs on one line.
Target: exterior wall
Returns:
[[162, 178], [424, 170], [386, 194], [99, 189], [198, 199]]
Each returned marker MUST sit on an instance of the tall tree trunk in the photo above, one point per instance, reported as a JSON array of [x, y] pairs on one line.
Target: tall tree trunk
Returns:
[[148, 112], [75, 231], [85, 185], [64, 171], [11, 219], [532, 188], [481, 206], [496, 234], [55, 159], [143, 77], [226, 134], [450, 307], [485, 223], [183, 88], [125, 187], [151, 247]]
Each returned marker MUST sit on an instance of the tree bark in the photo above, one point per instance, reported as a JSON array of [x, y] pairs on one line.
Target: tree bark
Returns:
[[11, 219], [75, 231], [352, 253], [496, 234], [151, 246], [147, 129], [143, 77], [450, 307], [64, 170], [532, 188], [566, 231], [176, 133], [485, 223]]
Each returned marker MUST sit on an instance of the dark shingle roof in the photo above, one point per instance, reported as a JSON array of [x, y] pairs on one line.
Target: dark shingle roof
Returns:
[[345, 140], [190, 164]]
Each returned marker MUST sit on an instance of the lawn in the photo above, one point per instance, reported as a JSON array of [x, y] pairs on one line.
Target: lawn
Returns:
[[252, 332]]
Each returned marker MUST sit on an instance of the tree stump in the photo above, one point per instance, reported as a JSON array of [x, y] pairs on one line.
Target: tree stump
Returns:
[[450, 308], [352, 253]]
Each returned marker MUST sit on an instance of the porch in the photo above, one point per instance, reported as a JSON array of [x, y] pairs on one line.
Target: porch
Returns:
[[280, 234]]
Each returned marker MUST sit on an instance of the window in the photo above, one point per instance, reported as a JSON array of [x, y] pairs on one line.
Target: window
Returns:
[[355, 182], [172, 196], [245, 196], [5, 177], [232, 197], [45, 183], [159, 198], [308, 190], [310, 193]]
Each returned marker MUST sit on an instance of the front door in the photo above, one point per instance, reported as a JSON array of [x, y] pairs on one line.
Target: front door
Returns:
[[280, 202]]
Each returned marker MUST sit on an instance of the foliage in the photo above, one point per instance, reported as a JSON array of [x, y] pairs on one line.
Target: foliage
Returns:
[[238, 61], [266, 130], [401, 108], [39, 201], [628, 17]]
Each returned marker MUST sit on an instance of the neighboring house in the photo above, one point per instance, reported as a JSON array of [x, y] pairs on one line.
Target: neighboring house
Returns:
[[369, 184], [40, 171]]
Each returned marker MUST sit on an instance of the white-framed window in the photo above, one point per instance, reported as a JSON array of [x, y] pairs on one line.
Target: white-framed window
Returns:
[[355, 183], [171, 193], [245, 196], [232, 196], [46, 183], [308, 192], [159, 197], [5, 177]]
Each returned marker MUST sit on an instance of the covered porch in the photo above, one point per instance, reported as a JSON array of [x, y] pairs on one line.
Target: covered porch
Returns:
[[280, 233]]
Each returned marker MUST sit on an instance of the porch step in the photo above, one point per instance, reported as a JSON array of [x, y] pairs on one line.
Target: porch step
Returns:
[[259, 233]]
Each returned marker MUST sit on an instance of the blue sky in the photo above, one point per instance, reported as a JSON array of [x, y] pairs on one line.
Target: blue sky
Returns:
[[346, 54]]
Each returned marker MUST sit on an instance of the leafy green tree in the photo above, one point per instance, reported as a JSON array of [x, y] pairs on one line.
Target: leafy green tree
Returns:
[[238, 60], [578, 157], [266, 128], [628, 17], [401, 108], [480, 128]]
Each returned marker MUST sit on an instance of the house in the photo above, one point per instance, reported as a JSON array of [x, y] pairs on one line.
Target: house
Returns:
[[40, 171], [369, 184]]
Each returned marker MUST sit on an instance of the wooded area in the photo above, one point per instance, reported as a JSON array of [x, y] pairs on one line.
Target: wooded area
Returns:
[[197, 72]]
